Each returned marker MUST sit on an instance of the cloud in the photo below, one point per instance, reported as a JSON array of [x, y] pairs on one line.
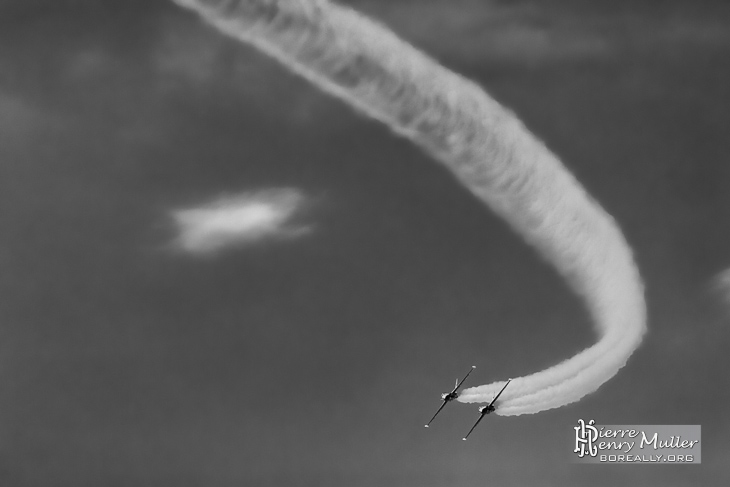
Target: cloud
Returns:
[[720, 285], [477, 31], [239, 221], [534, 33], [16, 118], [22, 122], [186, 53], [188, 60]]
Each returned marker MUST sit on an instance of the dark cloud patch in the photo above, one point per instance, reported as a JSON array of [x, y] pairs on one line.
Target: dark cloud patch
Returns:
[[132, 65]]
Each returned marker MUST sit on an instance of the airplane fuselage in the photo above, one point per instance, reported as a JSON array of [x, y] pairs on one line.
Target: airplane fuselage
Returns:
[[487, 409], [449, 396]]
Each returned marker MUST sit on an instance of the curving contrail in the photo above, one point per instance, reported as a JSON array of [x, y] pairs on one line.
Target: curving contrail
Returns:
[[488, 150]]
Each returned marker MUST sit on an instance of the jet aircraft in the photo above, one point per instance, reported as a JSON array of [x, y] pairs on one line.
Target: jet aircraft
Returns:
[[450, 396], [489, 408]]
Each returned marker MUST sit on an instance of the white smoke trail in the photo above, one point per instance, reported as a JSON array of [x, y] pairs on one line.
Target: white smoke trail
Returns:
[[235, 221], [489, 151]]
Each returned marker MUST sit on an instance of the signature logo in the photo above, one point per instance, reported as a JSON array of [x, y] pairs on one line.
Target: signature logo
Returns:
[[657, 444], [586, 436]]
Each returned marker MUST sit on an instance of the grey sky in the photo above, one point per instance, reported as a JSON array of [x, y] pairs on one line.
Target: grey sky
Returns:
[[317, 361]]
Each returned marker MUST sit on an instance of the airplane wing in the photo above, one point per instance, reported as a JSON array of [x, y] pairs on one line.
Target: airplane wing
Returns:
[[437, 412], [472, 428], [462, 380], [500, 393]]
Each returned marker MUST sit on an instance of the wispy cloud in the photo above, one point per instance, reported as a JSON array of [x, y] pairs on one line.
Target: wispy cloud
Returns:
[[239, 220], [15, 117], [477, 30], [21, 122], [186, 59], [720, 285], [529, 32]]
